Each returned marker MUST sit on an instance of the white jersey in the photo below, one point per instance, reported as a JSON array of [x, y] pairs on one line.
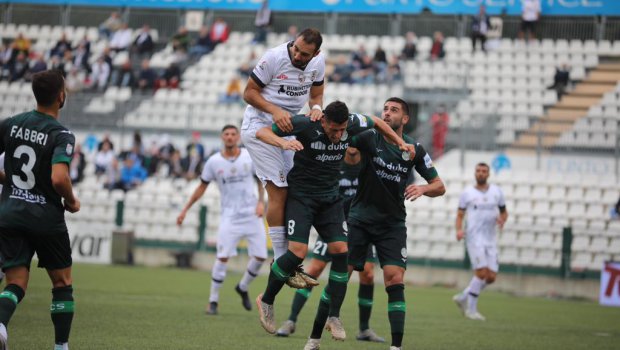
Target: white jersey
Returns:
[[283, 84], [235, 179], [482, 210], [531, 9]]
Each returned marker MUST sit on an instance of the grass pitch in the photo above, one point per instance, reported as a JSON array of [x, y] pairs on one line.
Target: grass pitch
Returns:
[[163, 308]]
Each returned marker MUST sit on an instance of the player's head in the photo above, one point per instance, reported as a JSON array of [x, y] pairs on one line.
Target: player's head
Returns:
[[335, 120], [395, 112], [49, 89], [482, 173], [305, 47], [230, 136]]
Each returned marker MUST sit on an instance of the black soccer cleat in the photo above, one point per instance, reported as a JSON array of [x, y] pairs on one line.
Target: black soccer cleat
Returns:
[[212, 309], [245, 298]]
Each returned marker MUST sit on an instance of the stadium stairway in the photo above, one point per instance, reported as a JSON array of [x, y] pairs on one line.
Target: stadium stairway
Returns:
[[573, 107]]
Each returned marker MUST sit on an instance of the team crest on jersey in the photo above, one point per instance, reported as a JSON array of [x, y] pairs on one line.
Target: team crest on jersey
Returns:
[[345, 228], [313, 76], [262, 65], [403, 252], [69, 149], [302, 78]]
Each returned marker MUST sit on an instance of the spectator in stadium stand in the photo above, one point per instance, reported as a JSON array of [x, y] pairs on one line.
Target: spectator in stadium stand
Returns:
[[480, 24], [218, 33], [202, 45], [85, 43], [62, 45], [59, 65], [22, 44], [380, 63], [36, 66], [614, 212], [262, 22], [110, 25], [393, 70], [233, 91], [100, 74], [440, 123], [175, 165], [143, 45], [181, 40], [124, 76], [561, 79], [357, 58], [107, 56], [80, 58], [365, 72], [19, 67], [529, 18], [171, 77], [246, 68], [104, 158], [410, 50], [133, 174], [106, 138], [292, 33], [78, 163], [195, 157], [74, 81], [343, 71], [121, 40], [147, 76], [6, 59], [437, 51]]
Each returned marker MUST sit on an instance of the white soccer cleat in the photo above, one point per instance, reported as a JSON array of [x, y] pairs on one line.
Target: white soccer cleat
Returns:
[[369, 335], [266, 315], [334, 326], [461, 303], [313, 344], [475, 316], [288, 328], [4, 342], [395, 348]]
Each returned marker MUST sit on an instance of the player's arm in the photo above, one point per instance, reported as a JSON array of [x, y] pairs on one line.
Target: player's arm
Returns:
[[389, 134], [61, 181], [503, 216], [260, 206], [460, 214], [273, 135], [316, 102], [424, 166], [198, 192]]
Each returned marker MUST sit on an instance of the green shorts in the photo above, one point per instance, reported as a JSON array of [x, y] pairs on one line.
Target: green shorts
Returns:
[[325, 214], [390, 243], [18, 248], [319, 252]]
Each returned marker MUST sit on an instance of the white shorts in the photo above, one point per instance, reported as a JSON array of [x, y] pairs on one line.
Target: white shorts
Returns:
[[230, 233], [271, 163], [483, 256]]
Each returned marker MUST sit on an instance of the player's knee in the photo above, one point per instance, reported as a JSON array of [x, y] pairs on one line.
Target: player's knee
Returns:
[[337, 248], [300, 250], [482, 273], [367, 277], [61, 282], [393, 277]]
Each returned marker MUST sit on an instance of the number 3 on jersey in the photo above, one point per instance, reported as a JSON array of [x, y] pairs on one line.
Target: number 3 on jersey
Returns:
[[26, 167], [291, 227]]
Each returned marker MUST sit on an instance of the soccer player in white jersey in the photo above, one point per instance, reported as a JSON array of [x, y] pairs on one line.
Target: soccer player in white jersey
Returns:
[[486, 209], [286, 78], [233, 171]]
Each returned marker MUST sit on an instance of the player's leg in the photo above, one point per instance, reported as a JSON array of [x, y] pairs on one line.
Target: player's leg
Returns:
[[276, 199], [478, 261], [226, 247], [365, 297], [257, 250]]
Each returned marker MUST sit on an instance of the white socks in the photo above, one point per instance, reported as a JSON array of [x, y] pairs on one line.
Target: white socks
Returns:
[[474, 289], [279, 243], [3, 333], [250, 273], [63, 346], [217, 278]]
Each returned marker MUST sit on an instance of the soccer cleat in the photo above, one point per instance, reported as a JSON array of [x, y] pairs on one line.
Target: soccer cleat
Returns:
[[395, 348], [313, 344], [296, 281], [212, 309], [475, 316], [245, 298], [310, 281], [288, 328], [461, 303], [3, 338], [266, 315], [369, 335], [334, 326]]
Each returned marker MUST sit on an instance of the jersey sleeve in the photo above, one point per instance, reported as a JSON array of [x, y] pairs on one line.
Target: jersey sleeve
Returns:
[[265, 68], [320, 77], [359, 123], [501, 201], [64, 143], [424, 164], [3, 127], [366, 142], [300, 123], [207, 171], [463, 201]]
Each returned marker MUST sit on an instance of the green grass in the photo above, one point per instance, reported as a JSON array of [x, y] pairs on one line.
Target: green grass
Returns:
[[163, 308]]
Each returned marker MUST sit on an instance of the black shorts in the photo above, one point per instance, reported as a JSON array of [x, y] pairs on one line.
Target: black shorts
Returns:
[[528, 26], [18, 248], [325, 214], [319, 252], [390, 243]]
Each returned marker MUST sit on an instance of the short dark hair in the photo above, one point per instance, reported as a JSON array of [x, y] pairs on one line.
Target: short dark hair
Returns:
[[312, 36], [336, 112], [404, 105], [47, 86], [483, 164], [229, 126]]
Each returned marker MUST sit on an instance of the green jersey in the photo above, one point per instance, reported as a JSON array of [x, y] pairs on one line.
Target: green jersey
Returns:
[[349, 179], [316, 169], [32, 143], [385, 174]]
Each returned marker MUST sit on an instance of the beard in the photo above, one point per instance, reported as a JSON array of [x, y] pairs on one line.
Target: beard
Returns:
[[481, 181], [62, 104]]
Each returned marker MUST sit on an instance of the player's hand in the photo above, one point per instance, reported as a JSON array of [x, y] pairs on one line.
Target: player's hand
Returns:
[[460, 234], [260, 209], [500, 223], [72, 206], [406, 147], [283, 120], [315, 114], [181, 217], [292, 145], [413, 192]]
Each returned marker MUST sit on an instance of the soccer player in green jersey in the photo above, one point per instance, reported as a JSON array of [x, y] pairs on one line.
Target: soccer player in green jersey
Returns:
[[313, 200], [37, 191], [377, 214]]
